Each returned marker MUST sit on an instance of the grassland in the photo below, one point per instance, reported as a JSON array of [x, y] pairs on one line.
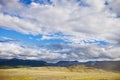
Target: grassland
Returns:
[[57, 73]]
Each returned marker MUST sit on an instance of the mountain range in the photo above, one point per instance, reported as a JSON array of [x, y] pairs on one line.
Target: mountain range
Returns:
[[106, 65]]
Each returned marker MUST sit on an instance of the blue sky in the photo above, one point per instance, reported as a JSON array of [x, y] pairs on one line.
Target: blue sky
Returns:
[[54, 30], [29, 39], [37, 39]]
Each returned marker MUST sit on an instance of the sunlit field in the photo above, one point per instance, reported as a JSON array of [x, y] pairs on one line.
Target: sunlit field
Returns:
[[57, 73]]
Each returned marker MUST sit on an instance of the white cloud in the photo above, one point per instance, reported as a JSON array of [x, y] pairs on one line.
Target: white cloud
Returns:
[[12, 50], [66, 16], [92, 22], [114, 5], [59, 52]]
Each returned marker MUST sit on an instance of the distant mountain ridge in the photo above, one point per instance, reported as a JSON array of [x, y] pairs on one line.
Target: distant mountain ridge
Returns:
[[65, 63], [107, 65], [20, 62]]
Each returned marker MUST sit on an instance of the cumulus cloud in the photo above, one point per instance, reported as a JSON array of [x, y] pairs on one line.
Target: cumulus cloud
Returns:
[[84, 20], [114, 6], [58, 52], [68, 17], [12, 50]]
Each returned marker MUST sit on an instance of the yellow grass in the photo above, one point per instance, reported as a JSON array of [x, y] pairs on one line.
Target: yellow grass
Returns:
[[57, 73]]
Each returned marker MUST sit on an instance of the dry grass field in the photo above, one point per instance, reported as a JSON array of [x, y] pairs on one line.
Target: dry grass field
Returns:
[[57, 73]]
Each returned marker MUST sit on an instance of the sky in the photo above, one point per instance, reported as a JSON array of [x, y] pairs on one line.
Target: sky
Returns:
[[60, 30]]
